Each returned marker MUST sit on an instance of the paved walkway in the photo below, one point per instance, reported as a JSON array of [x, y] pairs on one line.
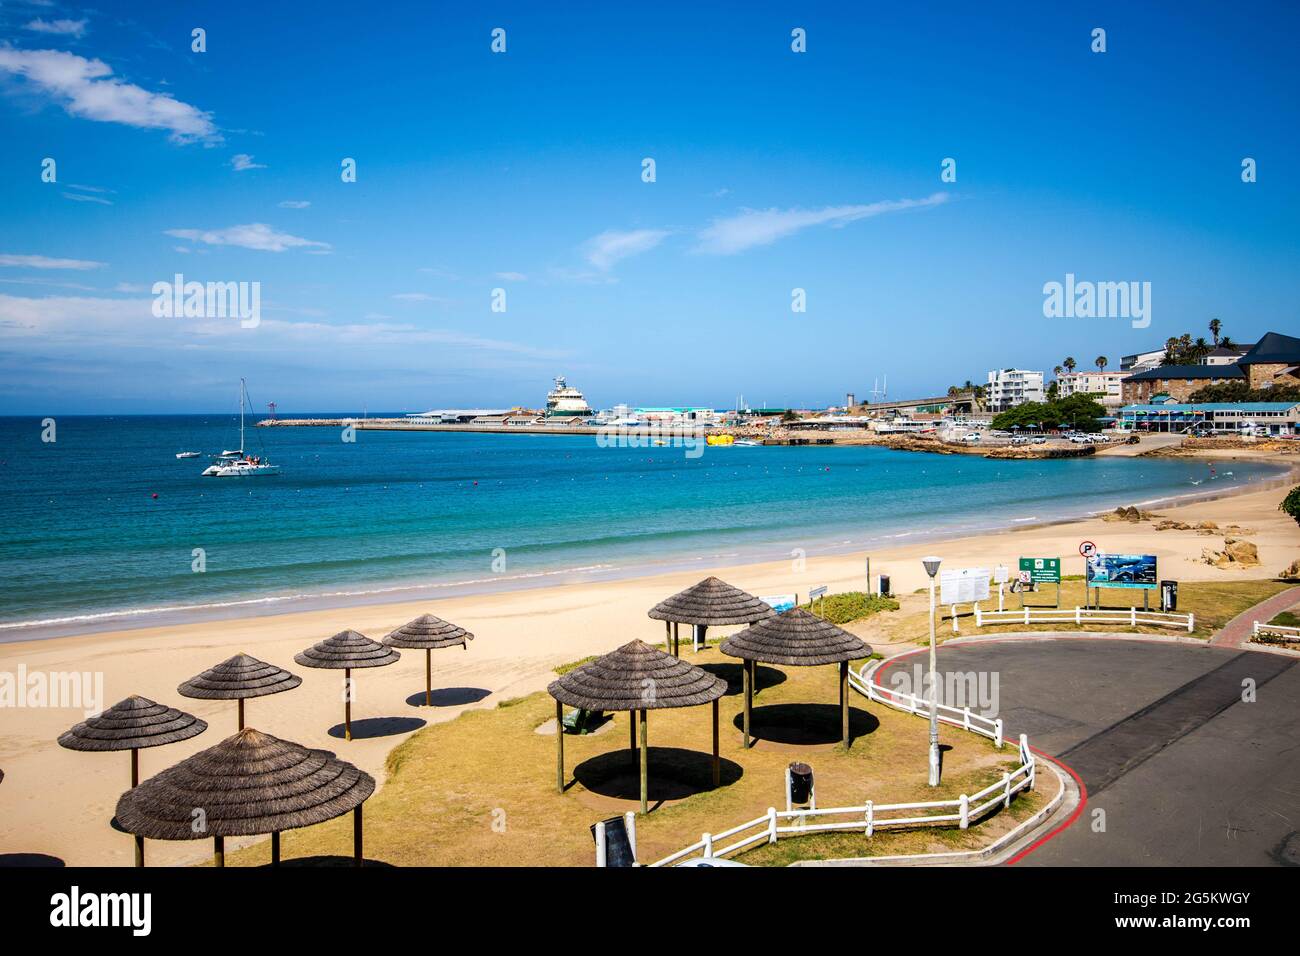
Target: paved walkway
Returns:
[[1237, 632]]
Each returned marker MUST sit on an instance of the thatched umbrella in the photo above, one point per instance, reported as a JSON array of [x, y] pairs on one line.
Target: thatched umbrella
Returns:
[[346, 650], [429, 632], [132, 724], [799, 639], [238, 678], [635, 678], [250, 783], [709, 603]]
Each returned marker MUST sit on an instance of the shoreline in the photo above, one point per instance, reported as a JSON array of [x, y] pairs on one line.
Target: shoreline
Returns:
[[58, 802], [382, 593]]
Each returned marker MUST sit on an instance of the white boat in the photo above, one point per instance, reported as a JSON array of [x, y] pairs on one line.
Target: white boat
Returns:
[[237, 463], [565, 401], [746, 442], [189, 454]]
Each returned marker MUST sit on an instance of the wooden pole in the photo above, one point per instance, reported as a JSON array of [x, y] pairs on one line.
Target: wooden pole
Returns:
[[631, 730], [139, 850], [347, 703], [559, 747], [749, 695], [428, 677], [717, 765], [275, 848], [668, 636], [219, 851], [135, 768], [241, 713], [356, 836], [645, 765], [677, 640], [844, 701]]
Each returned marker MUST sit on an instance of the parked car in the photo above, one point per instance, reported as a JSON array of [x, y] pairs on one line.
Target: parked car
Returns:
[[1132, 440], [1040, 440], [971, 437], [1081, 439]]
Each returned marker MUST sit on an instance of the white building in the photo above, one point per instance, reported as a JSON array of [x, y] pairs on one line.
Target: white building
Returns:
[[1010, 387], [1105, 385]]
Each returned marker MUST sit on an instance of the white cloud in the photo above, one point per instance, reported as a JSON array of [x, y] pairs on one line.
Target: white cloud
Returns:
[[67, 28], [294, 204], [413, 296], [86, 88], [440, 273], [130, 287], [45, 262], [242, 161], [83, 197], [606, 249], [511, 276], [254, 235], [761, 227]]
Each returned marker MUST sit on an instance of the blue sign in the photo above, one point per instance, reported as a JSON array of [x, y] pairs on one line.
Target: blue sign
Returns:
[[1122, 571]]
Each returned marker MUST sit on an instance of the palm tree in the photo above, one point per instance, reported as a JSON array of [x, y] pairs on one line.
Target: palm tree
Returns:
[[1057, 371], [1200, 348], [1215, 328], [1069, 363], [1227, 343], [1101, 363]]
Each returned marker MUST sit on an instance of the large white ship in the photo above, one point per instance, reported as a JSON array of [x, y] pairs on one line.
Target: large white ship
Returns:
[[565, 401]]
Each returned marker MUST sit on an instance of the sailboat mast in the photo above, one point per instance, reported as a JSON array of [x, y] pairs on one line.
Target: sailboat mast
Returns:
[[242, 389]]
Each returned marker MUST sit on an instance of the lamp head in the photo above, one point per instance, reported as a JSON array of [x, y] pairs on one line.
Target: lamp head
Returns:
[[931, 565]]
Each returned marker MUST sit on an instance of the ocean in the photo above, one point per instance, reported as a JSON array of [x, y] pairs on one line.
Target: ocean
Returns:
[[105, 528]]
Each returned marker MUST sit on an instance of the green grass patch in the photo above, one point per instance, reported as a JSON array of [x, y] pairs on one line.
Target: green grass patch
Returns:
[[850, 606]]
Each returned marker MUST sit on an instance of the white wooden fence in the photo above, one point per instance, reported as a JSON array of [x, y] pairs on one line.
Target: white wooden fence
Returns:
[[1084, 615], [1277, 630], [872, 816]]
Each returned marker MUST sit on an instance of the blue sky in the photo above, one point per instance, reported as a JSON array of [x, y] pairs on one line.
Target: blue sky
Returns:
[[522, 171]]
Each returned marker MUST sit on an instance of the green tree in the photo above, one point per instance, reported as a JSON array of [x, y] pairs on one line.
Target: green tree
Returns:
[[1215, 328], [1291, 504], [1070, 364], [1101, 363]]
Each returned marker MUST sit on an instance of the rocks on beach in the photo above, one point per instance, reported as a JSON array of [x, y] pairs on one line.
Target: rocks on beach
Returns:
[[1235, 554]]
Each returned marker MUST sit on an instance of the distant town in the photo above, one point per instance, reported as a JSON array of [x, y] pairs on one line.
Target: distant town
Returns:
[[1190, 386]]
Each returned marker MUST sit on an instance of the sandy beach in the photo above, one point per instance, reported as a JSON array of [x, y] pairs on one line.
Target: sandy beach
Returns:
[[57, 802]]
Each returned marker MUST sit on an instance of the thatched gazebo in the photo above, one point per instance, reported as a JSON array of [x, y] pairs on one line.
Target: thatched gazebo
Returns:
[[238, 678], [344, 651], [635, 678], [712, 602], [429, 632], [249, 784], [796, 638], [133, 724]]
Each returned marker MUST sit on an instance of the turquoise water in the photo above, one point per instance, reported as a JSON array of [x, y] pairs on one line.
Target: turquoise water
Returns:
[[84, 543]]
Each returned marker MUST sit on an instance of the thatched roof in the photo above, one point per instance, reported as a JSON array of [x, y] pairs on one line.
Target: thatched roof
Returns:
[[636, 677], [711, 602], [131, 723], [347, 649], [795, 637], [248, 784], [427, 631], [240, 676]]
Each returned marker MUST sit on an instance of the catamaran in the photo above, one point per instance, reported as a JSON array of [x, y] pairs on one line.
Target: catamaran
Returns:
[[236, 463]]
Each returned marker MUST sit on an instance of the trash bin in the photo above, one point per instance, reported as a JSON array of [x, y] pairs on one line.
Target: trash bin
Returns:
[[1169, 595], [618, 848], [801, 782], [882, 585]]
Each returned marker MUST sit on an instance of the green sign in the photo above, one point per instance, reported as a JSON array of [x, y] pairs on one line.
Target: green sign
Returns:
[[1042, 570]]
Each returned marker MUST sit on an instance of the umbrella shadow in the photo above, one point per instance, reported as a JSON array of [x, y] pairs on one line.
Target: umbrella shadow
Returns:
[[805, 724], [450, 696], [28, 860], [733, 674], [674, 773], [378, 727], [329, 861]]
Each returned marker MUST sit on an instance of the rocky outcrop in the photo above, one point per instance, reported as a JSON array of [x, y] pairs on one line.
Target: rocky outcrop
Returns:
[[1131, 514], [1235, 554], [1291, 572]]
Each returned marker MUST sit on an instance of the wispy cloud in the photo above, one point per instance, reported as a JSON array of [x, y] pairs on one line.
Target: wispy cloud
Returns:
[[294, 204], [608, 248], [762, 227], [87, 89], [86, 197], [242, 161], [511, 276], [254, 235], [67, 28], [413, 296], [45, 262]]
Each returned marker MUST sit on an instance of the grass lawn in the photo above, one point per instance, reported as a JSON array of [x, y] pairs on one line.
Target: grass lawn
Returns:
[[1213, 603], [480, 790]]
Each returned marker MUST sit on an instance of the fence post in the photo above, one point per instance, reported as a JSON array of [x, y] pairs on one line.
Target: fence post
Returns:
[[1133, 617], [954, 620], [629, 820], [965, 718], [1078, 614], [708, 845], [1191, 621], [600, 841], [871, 818], [1254, 630], [771, 824], [965, 811], [997, 729], [978, 621], [1026, 617], [1006, 784]]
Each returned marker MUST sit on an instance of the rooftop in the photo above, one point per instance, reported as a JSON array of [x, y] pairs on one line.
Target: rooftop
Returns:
[[1187, 371], [1273, 349]]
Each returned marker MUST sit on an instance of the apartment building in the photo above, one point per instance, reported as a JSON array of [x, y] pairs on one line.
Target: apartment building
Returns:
[[1010, 387], [1107, 387]]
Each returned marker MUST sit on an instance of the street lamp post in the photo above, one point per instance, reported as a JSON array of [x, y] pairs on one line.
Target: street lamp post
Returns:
[[932, 568]]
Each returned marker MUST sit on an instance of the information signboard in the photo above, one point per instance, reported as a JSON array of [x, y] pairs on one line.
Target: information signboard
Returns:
[[1122, 571], [1041, 570], [964, 585]]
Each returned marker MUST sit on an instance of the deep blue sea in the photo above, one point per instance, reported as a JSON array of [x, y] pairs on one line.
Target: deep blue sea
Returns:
[[85, 544]]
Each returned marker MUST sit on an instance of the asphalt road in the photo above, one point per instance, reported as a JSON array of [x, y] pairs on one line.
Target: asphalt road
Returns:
[[1185, 771]]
